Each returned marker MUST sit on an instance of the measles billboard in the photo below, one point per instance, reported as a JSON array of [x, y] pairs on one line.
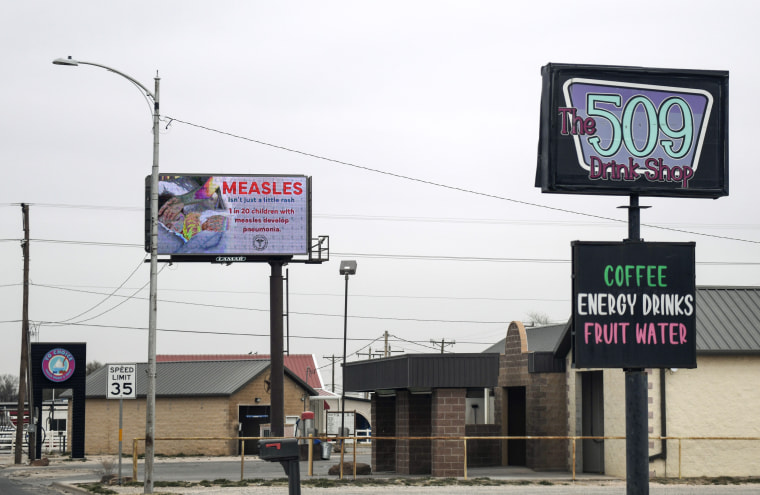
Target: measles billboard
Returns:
[[634, 305], [623, 130], [232, 215]]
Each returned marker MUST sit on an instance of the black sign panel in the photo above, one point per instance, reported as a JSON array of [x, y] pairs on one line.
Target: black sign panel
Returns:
[[62, 365], [623, 130], [634, 305]]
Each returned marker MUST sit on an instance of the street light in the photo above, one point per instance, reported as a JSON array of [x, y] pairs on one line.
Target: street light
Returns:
[[150, 407], [346, 268]]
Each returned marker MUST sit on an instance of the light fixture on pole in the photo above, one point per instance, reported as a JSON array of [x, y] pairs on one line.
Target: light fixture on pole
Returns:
[[150, 408], [346, 268]]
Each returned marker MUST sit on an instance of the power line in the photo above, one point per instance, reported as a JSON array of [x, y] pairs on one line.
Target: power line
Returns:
[[301, 313], [200, 332], [419, 257], [441, 185], [497, 221], [111, 294], [318, 294]]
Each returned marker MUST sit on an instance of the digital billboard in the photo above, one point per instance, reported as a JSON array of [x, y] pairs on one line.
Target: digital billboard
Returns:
[[221, 215], [634, 305], [622, 130]]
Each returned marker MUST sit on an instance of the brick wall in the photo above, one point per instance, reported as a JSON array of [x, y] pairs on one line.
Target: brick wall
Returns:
[[546, 398], [546, 403], [448, 420], [402, 430], [180, 417]]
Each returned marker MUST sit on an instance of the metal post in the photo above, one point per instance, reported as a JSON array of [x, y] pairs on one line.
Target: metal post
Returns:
[[636, 419], [287, 311], [121, 431], [150, 402], [637, 446], [277, 368], [343, 391]]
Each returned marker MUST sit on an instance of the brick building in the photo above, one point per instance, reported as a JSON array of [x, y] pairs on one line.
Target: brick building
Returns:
[[427, 395], [224, 399], [531, 396]]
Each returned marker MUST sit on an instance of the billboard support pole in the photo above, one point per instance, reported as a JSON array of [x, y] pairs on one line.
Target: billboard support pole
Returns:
[[277, 368], [636, 420]]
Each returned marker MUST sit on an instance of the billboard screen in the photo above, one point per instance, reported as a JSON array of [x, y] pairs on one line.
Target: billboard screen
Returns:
[[634, 305], [253, 215], [623, 130]]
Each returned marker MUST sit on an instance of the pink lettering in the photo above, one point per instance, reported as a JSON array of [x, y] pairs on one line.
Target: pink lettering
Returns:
[[586, 330]]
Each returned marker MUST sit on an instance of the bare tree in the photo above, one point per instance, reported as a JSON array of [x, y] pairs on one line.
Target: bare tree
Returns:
[[93, 366], [538, 318], [8, 388]]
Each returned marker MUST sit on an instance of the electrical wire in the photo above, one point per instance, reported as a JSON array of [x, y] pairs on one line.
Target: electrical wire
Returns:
[[266, 310], [415, 257], [445, 186], [111, 294]]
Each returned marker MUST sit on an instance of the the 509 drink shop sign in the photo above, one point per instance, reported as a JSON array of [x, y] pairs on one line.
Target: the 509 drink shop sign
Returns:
[[616, 130], [634, 305]]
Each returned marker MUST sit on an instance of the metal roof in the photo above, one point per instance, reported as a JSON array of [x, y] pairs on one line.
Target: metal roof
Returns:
[[728, 320], [192, 378], [423, 372], [303, 365], [540, 339]]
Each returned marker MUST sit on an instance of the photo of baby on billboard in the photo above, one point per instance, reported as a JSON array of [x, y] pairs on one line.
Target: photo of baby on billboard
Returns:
[[192, 215]]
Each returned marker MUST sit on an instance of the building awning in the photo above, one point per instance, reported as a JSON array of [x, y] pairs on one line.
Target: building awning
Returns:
[[421, 372]]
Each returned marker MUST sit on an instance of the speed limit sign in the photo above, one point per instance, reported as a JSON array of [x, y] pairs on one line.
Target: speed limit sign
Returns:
[[121, 381]]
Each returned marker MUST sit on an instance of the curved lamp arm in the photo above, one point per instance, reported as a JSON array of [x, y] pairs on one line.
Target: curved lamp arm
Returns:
[[71, 62]]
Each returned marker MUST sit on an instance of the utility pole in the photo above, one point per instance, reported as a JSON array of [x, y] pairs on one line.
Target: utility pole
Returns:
[[23, 368], [369, 354], [387, 349], [443, 343], [332, 358]]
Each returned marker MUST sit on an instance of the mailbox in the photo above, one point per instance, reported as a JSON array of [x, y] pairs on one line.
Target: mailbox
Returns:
[[282, 449]]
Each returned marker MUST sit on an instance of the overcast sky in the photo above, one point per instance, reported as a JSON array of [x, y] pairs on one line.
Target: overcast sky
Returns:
[[445, 94]]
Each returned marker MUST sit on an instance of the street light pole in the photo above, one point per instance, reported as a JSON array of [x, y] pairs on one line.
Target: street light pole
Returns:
[[150, 407], [346, 268]]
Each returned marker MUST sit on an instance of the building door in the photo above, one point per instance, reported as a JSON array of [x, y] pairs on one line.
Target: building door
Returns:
[[592, 419], [516, 426], [251, 418]]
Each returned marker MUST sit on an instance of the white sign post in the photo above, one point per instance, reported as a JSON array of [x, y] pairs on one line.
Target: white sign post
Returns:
[[121, 385]]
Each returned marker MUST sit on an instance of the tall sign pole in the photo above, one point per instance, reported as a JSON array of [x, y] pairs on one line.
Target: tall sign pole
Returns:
[[277, 370], [636, 419], [610, 130]]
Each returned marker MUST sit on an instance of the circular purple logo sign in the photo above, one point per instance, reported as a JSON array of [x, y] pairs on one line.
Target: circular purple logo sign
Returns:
[[58, 365]]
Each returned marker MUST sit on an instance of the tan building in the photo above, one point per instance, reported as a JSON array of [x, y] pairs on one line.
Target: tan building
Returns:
[[220, 399], [719, 398], [540, 393]]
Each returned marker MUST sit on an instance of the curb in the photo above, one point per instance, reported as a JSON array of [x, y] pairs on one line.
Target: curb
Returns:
[[69, 488]]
